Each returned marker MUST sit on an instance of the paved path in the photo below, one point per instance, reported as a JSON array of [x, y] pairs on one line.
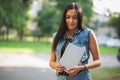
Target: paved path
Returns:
[[35, 66], [25, 67]]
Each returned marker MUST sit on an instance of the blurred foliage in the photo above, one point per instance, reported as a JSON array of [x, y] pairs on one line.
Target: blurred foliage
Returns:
[[46, 19], [115, 22], [13, 14], [49, 16]]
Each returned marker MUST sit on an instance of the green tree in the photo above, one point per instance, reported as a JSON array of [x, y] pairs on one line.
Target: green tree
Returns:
[[115, 22], [46, 19], [13, 15]]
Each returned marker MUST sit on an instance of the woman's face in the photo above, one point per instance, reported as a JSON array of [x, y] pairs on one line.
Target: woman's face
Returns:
[[71, 19]]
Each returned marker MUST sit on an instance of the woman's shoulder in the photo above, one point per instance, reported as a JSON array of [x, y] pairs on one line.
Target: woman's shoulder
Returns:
[[87, 31]]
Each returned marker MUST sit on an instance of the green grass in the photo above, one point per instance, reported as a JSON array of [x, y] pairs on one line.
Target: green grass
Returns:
[[39, 47], [105, 73], [108, 50], [24, 47]]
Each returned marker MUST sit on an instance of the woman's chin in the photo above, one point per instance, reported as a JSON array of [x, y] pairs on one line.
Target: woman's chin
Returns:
[[72, 28]]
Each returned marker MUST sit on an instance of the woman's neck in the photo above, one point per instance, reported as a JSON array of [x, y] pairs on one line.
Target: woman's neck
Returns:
[[70, 33]]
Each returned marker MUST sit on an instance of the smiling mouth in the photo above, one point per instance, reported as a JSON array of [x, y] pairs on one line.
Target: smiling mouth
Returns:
[[71, 25]]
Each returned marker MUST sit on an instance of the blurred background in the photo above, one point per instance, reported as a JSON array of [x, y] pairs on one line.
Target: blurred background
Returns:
[[26, 28]]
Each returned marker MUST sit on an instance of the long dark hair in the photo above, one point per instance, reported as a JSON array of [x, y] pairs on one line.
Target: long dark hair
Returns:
[[63, 27]]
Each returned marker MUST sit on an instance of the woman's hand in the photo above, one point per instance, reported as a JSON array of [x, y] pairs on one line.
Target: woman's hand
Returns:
[[74, 70], [59, 68]]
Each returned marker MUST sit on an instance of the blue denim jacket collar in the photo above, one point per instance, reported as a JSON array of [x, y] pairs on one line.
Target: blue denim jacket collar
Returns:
[[76, 33]]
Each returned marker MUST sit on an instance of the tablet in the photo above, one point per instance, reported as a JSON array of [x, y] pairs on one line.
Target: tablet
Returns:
[[72, 56]]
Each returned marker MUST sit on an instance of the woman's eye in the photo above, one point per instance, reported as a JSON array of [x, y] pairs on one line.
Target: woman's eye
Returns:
[[75, 17], [72, 17], [67, 17]]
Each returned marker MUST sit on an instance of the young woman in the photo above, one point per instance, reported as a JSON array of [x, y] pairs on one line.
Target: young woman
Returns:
[[71, 30]]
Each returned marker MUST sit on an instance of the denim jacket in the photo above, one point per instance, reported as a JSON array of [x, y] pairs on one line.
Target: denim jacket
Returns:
[[80, 38]]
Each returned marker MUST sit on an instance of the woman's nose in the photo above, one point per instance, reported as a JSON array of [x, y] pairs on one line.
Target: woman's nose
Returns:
[[71, 20]]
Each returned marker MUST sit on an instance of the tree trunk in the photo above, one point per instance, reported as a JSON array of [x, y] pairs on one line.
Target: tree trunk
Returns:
[[7, 33], [20, 34]]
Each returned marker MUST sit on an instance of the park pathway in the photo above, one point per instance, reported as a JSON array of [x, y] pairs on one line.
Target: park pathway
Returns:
[[36, 66]]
